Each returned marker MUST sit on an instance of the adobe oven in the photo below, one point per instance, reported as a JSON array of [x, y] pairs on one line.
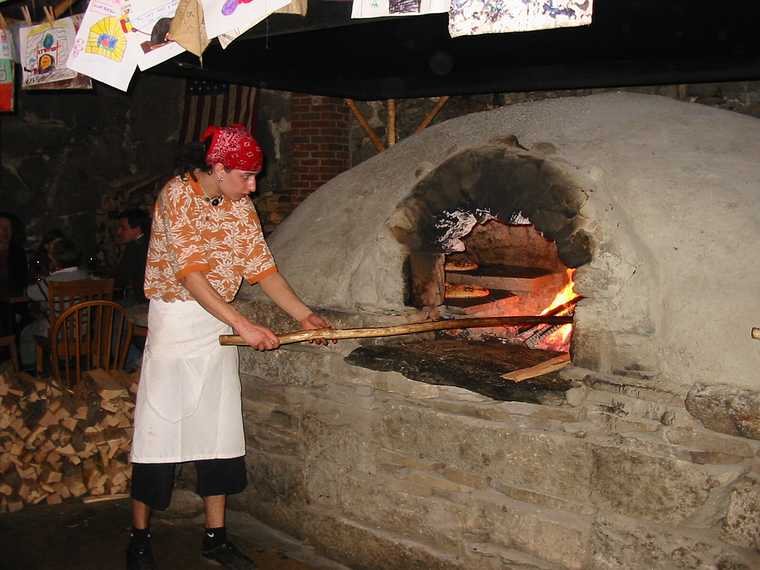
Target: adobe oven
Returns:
[[634, 214]]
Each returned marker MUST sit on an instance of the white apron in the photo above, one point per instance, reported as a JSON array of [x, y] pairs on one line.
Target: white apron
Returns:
[[188, 402]]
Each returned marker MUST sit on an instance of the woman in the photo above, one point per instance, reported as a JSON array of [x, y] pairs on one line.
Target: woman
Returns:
[[205, 239]]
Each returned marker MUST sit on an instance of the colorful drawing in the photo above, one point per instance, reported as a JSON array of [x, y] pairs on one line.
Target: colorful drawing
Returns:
[[107, 38], [230, 5], [43, 50]]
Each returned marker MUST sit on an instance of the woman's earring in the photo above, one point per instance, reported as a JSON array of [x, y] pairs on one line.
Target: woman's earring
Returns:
[[219, 179]]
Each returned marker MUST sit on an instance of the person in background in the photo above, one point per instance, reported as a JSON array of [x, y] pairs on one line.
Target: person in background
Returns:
[[40, 261], [63, 260], [13, 270], [13, 267], [133, 232], [206, 238]]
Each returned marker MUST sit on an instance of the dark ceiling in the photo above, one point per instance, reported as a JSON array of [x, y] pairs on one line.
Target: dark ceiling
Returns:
[[631, 42]]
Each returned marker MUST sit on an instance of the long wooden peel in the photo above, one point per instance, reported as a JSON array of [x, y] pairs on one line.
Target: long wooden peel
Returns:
[[343, 334]]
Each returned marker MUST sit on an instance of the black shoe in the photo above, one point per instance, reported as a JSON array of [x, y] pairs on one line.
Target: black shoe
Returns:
[[140, 557], [228, 555]]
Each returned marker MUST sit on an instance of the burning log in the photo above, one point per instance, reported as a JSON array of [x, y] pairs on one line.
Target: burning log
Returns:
[[555, 311], [343, 334], [541, 333]]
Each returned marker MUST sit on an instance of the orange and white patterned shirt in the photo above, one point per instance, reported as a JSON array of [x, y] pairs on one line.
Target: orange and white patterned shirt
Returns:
[[189, 234]]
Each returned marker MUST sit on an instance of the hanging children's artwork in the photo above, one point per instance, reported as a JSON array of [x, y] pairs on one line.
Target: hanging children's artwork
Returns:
[[383, 8], [150, 21], [234, 17], [104, 48], [471, 17], [6, 71], [79, 81], [44, 49]]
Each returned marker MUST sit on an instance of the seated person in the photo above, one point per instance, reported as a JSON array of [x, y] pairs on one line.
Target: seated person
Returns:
[[133, 232], [64, 266]]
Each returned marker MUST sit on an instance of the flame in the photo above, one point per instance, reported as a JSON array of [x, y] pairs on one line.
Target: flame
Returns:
[[560, 339]]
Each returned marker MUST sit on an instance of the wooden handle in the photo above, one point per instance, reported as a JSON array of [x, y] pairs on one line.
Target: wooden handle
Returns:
[[755, 333], [342, 334]]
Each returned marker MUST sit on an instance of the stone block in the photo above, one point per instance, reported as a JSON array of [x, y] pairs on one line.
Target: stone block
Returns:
[[360, 546], [619, 543], [656, 488], [490, 557], [276, 477], [558, 537], [406, 506], [741, 525], [552, 463], [725, 408]]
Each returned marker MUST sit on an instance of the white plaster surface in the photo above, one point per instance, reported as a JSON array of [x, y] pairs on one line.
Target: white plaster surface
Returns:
[[673, 209]]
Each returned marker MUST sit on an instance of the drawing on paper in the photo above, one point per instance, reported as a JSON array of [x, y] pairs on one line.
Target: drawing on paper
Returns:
[[470, 17], [230, 6], [45, 49], [107, 39], [404, 6]]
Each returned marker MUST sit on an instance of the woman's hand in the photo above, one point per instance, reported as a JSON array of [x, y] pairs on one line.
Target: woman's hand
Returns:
[[257, 336], [312, 322]]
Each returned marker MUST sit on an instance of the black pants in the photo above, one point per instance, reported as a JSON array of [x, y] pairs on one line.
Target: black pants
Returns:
[[153, 483]]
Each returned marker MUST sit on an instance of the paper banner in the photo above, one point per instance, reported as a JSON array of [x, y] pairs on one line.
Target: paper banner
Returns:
[[44, 49], [234, 17], [472, 17], [299, 7], [151, 21], [384, 8], [6, 44], [188, 28], [104, 49], [6, 85]]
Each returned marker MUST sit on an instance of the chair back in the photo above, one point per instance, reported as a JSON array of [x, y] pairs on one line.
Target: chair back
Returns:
[[93, 334], [63, 294]]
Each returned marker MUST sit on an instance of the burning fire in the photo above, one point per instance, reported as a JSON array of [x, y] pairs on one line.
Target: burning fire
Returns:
[[559, 340]]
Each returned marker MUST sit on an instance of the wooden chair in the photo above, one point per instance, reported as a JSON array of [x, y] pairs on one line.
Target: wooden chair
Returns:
[[62, 295], [93, 334]]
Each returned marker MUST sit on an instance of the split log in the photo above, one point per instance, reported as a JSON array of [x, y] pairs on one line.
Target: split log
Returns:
[[56, 444], [412, 328], [102, 498], [551, 365]]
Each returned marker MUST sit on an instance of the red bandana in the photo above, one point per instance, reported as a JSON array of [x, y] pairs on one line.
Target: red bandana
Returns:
[[233, 147]]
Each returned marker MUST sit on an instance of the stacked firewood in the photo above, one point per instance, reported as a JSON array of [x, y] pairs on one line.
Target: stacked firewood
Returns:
[[58, 443]]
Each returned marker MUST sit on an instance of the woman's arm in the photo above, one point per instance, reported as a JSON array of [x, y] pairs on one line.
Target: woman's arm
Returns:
[[277, 289], [257, 336]]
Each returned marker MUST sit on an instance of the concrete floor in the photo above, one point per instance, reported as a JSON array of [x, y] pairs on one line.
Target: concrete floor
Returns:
[[75, 536]]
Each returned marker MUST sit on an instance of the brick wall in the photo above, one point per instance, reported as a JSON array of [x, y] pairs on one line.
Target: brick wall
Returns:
[[317, 149]]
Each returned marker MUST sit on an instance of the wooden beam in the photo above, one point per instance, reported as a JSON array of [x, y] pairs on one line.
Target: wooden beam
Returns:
[[365, 125], [431, 115], [391, 122]]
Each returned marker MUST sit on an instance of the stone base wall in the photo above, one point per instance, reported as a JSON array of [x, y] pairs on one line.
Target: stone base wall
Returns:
[[382, 472]]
